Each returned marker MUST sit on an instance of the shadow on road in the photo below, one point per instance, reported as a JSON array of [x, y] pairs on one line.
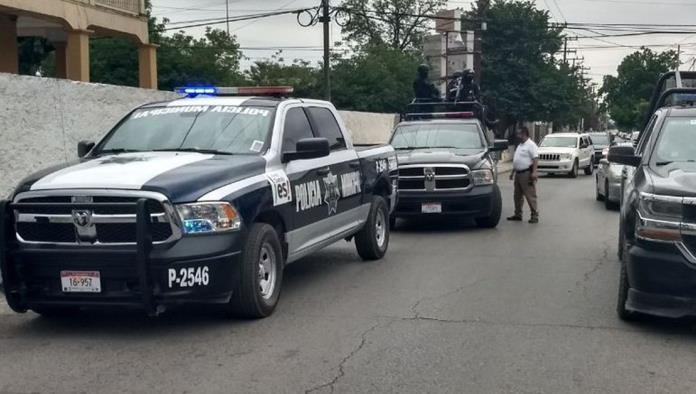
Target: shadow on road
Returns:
[[435, 224], [299, 277]]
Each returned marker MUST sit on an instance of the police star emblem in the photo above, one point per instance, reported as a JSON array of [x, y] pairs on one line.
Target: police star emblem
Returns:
[[332, 194]]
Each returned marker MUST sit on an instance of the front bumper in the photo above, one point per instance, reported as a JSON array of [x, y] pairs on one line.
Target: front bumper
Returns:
[[475, 202], [136, 276], [662, 281], [555, 167]]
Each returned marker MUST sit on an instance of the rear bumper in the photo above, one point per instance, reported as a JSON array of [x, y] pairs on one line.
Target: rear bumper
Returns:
[[476, 202], [131, 276], [662, 282]]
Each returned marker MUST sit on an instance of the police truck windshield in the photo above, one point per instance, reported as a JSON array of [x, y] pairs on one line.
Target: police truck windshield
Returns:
[[559, 142], [219, 129], [433, 136]]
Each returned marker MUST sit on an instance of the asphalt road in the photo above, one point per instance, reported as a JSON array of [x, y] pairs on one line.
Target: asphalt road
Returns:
[[453, 309]]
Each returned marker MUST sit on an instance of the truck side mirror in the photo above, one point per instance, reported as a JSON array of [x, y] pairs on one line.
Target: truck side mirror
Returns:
[[499, 146], [308, 148], [83, 148], [625, 155]]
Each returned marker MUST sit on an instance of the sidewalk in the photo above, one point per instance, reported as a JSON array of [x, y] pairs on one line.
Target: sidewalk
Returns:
[[504, 167]]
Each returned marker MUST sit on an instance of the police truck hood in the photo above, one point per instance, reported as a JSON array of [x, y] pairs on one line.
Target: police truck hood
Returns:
[[676, 179], [181, 176], [470, 157]]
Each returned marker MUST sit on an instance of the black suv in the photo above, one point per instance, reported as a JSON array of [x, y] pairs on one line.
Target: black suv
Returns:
[[657, 240]]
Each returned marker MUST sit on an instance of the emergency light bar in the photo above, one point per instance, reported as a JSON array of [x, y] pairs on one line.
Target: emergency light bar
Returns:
[[275, 91]]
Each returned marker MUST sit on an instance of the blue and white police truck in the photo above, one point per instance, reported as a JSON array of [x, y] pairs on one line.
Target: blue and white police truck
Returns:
[[202, 199]]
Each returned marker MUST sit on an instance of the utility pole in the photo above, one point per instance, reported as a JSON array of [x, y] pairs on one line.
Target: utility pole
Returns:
[[227, 12], [326, 20], [481, 8], [565, 48]]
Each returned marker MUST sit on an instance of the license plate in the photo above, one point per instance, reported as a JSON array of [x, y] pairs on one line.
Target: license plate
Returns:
[[80, 281], [431, 207]]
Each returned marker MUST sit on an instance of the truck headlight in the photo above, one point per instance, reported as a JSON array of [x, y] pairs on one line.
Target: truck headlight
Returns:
[[565, 156], [208, 217], [482, 177], [659, 218]]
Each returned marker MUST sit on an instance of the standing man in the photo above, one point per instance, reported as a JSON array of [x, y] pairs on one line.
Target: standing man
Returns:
[[524, 173]]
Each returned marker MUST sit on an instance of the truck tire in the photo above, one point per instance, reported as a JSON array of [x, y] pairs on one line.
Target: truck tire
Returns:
[[574, 171], [373, 240], [494, 218], [608, 204], [598, 196], [590, 168], [261, 274]]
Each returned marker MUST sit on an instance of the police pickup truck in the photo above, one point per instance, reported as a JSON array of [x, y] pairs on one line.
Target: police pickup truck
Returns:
[[201, 199], [446, 163]]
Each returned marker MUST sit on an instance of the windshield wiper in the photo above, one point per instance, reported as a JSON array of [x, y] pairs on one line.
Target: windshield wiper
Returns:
[[196, 150]]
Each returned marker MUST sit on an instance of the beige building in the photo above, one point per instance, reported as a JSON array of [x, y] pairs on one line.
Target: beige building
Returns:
[[69, 24]]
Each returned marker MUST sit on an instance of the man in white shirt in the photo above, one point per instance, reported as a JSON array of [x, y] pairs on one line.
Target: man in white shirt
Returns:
[[524, 173]]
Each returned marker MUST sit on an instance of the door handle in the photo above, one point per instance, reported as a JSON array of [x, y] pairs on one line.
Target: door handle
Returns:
[[323, 171]]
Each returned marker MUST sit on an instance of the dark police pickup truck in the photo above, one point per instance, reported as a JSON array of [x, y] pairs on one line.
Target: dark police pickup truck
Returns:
[[657, 238], [198, 200], [446, 166]]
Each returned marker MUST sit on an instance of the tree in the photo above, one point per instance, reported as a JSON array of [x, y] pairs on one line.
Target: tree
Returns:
[[401, 24], [378, 78], [628, 94], [301, 75], [521, 79]]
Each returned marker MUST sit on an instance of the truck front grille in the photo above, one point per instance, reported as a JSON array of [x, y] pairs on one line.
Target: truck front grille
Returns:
[[107, 223], [434, 178], [549, 157]]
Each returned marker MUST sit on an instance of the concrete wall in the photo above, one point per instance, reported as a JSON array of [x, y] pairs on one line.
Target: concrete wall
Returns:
[[42, 119], [369, 128]]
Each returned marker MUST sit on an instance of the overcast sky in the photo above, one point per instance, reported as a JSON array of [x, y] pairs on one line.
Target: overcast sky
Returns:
[[284, 31]]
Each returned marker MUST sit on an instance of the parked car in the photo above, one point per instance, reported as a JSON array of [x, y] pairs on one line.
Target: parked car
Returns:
[[600, 142], [657, 237], [608, 186], [446, 167], [198, 200], [566, 153]]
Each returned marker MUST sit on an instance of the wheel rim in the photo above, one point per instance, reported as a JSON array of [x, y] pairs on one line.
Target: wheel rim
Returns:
[[380, 229], [267, 271]]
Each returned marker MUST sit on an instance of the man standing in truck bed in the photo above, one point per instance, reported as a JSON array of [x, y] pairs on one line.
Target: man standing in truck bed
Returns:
[[524, 174]]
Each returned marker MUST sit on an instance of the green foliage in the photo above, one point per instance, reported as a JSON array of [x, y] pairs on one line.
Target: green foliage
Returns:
[[398, 23], [628, 94], [300, 74], [212, 59], [378, 78], [521, 80]]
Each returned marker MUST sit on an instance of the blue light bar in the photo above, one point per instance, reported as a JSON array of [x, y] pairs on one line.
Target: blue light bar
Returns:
[[196, 90]]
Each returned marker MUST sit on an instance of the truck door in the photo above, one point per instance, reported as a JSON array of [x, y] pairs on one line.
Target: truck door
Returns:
[[342, 176], [307, 205]]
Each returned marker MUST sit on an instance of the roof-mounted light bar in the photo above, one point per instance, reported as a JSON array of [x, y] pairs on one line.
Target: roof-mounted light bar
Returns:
[[274, 91], [442, 115]]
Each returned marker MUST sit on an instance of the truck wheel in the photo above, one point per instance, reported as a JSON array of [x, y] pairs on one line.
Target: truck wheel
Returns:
[[492, 220], [373, 240], [574, 172], [624, 314], [590, 168], [261, 274]]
